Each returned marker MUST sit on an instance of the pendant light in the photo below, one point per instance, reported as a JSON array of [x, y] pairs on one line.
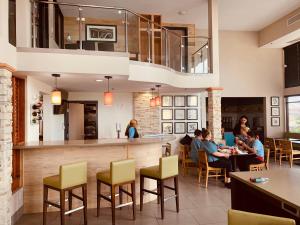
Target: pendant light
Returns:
[[157, 98], [108, 97], [152, 100], [56, 94]]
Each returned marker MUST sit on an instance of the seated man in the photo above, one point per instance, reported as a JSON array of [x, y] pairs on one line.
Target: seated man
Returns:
[[255, 146], [196, 145], [216, 159]]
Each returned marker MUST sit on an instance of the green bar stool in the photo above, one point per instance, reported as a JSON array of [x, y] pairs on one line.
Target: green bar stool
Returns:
[[120, 173], [71, 176], [167, 169]]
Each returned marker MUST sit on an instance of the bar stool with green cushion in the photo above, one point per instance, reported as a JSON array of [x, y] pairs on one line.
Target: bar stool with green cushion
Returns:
[[120, 173], [236, 217], [70, 177], [167, 169]]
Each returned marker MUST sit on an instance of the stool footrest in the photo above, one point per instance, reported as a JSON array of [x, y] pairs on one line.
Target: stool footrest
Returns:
[[168, 187], [74, 210], [151, 192], [126, 192], [123, 205], [52, 204], [76, 196]]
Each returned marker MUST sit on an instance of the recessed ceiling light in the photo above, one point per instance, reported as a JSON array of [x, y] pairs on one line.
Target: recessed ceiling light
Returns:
[[99, 80], [181, 12], [119, 11]]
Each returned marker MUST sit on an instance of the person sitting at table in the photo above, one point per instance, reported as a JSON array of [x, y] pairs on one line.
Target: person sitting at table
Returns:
[[216, 159], [243, 122], [131, 131], [196, 145], [255, 147], [242, 137]]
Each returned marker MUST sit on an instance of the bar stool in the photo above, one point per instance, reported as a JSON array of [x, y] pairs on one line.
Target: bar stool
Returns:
[[167, 168], [120, 173], [71, 176]]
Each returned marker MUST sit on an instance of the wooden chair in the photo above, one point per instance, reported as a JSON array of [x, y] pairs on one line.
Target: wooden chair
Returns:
[[269, 143], [287, 151], [263, 165], [186, 161], [203, 166]]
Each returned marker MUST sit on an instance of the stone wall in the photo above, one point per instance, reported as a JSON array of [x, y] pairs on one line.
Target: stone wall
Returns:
[[5, 146], [214, 113], [148, 117]]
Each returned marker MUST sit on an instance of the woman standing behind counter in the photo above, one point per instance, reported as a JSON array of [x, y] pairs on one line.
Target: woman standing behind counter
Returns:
[[131, 131]]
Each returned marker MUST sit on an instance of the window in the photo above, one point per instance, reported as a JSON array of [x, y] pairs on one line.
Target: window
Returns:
[[293, 114], [12, 22]]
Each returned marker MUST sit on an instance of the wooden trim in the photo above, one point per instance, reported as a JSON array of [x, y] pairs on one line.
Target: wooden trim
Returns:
[[215, 89], [7, 67]]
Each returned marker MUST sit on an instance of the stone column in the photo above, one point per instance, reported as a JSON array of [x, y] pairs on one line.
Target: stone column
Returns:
[[214, 112], [5, 146]]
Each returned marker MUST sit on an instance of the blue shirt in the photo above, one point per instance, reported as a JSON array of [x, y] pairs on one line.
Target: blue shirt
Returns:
[[259, 148], [131, 132], [196, 145], [210, 147]]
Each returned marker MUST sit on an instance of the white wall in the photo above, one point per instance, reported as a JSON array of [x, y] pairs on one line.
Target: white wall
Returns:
[[120, 112]]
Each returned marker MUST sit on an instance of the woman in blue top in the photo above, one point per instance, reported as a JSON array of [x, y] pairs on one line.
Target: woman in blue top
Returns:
[[216, 159], [196, 145], [131, 131]]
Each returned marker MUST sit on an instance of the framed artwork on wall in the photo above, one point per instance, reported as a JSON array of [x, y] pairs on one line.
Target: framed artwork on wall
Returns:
[[100, 33], [179, 114], [179, 127], [275, 111], [167, 114], [167, 128], [275, 121], [192, 101], [274, 101], [192, 126], [192, 114], [166, 101], [179, 101]]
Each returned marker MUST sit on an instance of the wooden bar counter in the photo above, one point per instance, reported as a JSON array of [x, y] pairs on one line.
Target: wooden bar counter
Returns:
[[43, 159]]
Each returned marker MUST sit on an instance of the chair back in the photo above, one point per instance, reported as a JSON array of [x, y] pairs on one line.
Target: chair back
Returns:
[[236, 217], [122, 171], [270, 143], [229, 138], [185, 151], [203, 161], [168, 166], [73, 174], [285, 146]]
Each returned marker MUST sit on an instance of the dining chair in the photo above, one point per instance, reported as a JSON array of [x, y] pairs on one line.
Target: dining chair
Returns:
[[204, 167], [186, 162], [263, 165], [271, 145], [287, 151]]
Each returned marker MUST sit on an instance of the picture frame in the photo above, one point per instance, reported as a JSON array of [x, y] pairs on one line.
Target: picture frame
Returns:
[[192, 101], [179, 128], [191, 127], [167, 127], [275, 121], [167, 101], [101, 33], [179, 114], [275, 101], [166, 114], [192, 114], [275, 111], [179, 101]]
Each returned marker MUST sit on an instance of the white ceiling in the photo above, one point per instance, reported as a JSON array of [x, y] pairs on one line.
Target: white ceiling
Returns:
[[244, 15]]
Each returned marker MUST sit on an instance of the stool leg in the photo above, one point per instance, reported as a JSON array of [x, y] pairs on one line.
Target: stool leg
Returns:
[[162, 197], [45, 205], [98, 197], [113, 204], [158, 193], [62, 207], [120, 195], [133, 198], [176, 193], [84, 194], [141, 192], [70, 201]]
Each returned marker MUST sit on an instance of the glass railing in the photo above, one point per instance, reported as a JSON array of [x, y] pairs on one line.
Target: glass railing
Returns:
[[101, 28]]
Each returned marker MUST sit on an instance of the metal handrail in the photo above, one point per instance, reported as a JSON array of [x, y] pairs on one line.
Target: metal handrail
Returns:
[[206, 44]]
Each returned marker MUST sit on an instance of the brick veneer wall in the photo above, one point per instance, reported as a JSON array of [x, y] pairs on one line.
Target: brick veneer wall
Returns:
[[5, 146], [148, 117], [214, 113]]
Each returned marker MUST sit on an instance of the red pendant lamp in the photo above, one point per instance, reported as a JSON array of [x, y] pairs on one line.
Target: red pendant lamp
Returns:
[[152, 100], [157, 98], [108, 96]]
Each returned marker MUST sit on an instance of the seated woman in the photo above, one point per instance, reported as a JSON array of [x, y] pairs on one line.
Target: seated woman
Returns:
[[216, 159], [131, 131], [196, 145], [255, 147]]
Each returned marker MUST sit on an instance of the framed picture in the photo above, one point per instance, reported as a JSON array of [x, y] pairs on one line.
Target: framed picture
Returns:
[[179, 114], [179, 127], [166, 101], [274, 101], [275, 111], [192, 101], [100, 33], [167, 114], [167, 128], [179, 101], [192, 126], [275, 121], [192, 114]]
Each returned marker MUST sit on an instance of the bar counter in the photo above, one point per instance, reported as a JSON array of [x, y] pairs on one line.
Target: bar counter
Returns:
[[42, 159]]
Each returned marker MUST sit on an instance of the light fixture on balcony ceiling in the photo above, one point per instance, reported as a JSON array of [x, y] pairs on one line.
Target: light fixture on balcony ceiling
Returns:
[[119, 11], [56, 94], [108, 97], [152, 100], [157, 98]]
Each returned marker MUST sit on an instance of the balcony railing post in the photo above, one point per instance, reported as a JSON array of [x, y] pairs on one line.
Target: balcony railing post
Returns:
[[166, 48], [80, 27], [33, 22], [126, 31], [149, 42], [181, 55]]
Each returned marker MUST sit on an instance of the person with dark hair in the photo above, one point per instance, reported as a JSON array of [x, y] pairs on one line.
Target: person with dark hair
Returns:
[[243, 122], [131, 131], [196, 146], [255, 147], [215, 158]]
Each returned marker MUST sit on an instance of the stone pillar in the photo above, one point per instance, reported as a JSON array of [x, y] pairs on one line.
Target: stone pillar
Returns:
[[214, 113], [5, 146]]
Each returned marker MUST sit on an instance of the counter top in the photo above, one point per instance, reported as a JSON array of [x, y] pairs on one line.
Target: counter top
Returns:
[[97, 142], [283, 185]]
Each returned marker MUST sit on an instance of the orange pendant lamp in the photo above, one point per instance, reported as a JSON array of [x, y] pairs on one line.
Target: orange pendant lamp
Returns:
[[157, 98], [108, 96], [56, 94], [152, 100]]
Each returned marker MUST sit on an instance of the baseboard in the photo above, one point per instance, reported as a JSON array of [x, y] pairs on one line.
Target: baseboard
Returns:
[[17, 216]]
